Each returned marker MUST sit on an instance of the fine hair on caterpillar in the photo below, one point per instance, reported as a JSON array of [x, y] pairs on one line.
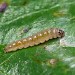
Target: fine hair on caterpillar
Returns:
[[35, 39]]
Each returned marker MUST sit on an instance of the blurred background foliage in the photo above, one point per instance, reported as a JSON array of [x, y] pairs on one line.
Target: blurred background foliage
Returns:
[[23, 18]]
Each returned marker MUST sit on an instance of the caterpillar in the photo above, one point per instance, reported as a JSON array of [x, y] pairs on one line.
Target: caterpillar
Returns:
[[35, 39]]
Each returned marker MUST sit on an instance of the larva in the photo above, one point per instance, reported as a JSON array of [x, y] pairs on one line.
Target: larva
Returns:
[[35, 39]]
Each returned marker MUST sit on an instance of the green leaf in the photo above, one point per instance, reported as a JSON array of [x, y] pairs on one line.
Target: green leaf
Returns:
[[24, 18]]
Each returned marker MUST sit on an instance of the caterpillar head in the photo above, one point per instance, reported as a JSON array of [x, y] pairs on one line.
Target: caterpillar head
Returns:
[[60, 33]]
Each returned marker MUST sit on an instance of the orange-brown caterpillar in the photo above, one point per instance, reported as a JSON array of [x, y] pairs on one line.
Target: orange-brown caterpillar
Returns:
[[35, 39]]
